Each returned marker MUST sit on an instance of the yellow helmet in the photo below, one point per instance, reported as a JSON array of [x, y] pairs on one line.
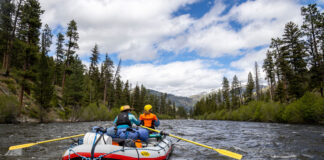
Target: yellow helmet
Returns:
[[147, 107], [125, 107]]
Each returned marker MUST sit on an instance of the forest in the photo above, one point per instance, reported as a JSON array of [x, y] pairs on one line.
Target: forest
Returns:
[[37, 87], [294, 67]]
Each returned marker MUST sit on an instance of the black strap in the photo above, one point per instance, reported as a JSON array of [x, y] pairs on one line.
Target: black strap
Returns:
[[100, 131], [94, 146]]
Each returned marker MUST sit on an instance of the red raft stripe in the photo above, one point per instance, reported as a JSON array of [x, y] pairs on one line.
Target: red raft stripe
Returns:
[[114, 156]]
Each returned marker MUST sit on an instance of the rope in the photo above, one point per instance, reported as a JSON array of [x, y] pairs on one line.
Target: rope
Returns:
[[121, 150]]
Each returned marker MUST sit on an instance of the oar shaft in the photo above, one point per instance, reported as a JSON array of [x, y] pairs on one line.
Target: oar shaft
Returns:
[[32, 144], [220, 151], [196, 143], [58, 139]]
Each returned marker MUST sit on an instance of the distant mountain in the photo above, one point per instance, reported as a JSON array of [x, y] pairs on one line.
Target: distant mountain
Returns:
[[189, 102], [197, 97], [186, 102]]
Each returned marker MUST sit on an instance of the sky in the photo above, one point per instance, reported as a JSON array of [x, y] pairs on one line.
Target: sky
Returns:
[[182, 47]]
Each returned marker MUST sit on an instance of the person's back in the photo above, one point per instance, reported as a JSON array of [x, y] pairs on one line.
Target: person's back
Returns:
[[124, 130], [149, 119], [125, 119]]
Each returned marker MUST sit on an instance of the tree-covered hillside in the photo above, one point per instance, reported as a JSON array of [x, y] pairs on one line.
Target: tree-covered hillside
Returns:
[[54, 88], [294, 68]]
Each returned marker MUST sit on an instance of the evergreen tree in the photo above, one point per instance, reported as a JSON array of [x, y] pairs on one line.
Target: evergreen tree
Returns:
[[235, 93], [9, 13], [126, 94], [136, 99], [268, 67], [7, 9], [313, 29], [182, 112], [226, 93], [219, 100], [43, 85], [72, 38], [282, 68], [94, 81], [249, 88], [257, 85], [294, 49], [143, 96], [30, 25], [74, 91], [163, 103], [118, 93], [59, 59], [107, 73]]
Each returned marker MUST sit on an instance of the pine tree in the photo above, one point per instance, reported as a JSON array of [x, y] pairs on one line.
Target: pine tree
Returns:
[[43, 85], [249, 88], [59, 59], [126, 94], [118, 93], [235, 93], [282, 68], [72, 38], [30, 25], [107, 73], [163, 103], [74, 90], [94, 83], [257, 85], [8, 10], [294, 49], [143, 96], [268, 67], [220, 100], [313, 29], [226, 93], [136, 99]]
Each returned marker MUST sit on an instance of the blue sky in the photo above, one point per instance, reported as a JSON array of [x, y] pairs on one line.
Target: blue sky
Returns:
[[183, 47]]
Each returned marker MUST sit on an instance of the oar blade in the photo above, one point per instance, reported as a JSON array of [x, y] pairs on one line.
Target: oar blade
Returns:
[[229, 153], [21, 146]]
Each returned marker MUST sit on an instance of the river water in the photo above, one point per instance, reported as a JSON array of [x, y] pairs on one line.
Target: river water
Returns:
[[255, 141]]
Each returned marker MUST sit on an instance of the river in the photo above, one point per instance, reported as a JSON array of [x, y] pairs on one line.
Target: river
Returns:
[[253, 140]]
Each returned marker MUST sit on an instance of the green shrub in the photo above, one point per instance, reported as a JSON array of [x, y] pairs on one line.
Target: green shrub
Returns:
[[319, 110], [163, 116], [9, 109], [309, 109], [12, 88], [93, 112], [7, 81], [113, 113], [64, 113]]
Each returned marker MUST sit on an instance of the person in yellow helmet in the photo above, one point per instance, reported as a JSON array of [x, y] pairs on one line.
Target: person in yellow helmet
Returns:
[[148, 119]]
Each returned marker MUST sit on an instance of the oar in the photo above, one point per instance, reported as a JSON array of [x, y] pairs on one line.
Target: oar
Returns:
[[220, 151], [32, 144]]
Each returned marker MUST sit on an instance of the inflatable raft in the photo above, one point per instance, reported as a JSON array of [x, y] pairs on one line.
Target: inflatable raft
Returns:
[[94, 146]]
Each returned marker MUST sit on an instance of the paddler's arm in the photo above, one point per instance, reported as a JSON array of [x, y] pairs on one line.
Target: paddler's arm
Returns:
[[156, 121], [115, 120], [133, 119]]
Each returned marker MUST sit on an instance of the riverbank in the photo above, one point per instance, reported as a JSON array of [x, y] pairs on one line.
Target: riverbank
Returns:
[[309, 110]]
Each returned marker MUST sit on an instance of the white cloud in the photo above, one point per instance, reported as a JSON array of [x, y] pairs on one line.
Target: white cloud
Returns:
[[130, 28], [213, 36], [138, 29], [247, 64], [191, 77], [179, 78]]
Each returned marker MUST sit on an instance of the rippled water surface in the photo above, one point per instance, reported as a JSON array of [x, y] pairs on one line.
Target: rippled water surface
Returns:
[[253, 140]]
